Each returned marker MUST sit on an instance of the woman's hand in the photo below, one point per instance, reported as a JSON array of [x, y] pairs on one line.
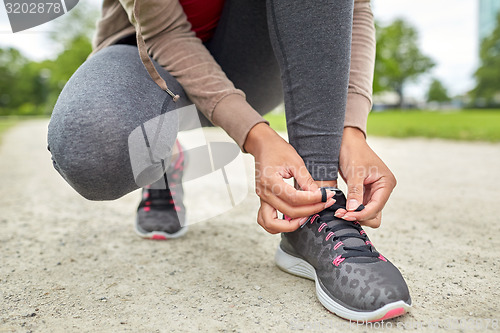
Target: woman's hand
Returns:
[[369, 180], [275, 159]]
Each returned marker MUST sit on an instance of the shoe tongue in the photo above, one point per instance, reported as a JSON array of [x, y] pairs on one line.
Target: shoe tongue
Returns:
[[327, 214]]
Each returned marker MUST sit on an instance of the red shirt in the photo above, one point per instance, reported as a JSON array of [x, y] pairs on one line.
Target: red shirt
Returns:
[[203, 16]]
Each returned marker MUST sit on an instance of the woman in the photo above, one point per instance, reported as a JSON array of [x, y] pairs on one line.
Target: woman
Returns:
[[236, 60]]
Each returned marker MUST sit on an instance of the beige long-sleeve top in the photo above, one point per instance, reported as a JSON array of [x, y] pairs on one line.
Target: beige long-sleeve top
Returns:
[[168, 39]]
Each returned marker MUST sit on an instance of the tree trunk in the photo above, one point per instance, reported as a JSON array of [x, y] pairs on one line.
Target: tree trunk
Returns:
[[399, 91]]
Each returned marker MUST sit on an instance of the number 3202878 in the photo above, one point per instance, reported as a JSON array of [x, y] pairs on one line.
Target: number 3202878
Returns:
[[33, 8]]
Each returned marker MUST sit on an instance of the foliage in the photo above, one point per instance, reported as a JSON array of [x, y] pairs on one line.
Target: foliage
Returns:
[[437, 92], [487, 90], [31, 88], [398, 58], [79, 23], [22, 85]]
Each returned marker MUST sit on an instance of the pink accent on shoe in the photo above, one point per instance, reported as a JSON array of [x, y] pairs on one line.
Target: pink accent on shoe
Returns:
[[337, 245], [369, 243], [381, 257], [147, 203], [175, 176], [147, 209], [171, 201], [322, 226], [337, 260], [288, 218], [177, 208], [180, 159], [391, 314], [315, 216], [362, 232], [146, 195], [159, 237], [330, 234]]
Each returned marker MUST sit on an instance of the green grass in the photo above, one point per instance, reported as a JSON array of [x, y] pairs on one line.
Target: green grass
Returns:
[[277, 121], [469, 125]]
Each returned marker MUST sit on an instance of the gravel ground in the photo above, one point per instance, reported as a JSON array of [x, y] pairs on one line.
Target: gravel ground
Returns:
[[68, 264]]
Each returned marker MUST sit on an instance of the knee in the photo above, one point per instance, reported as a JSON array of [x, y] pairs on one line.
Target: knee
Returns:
[[93, 163], [92, 177]]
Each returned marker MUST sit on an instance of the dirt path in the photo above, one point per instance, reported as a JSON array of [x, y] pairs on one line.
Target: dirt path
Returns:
[[68, 264]]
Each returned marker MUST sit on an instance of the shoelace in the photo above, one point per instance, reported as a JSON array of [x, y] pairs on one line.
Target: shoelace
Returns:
[[158, 198], [164, 198], [350, 251]]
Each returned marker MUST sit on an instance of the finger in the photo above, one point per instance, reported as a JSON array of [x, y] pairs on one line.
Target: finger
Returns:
[[373, 223], [304, 179], [268, 219], [375, 205], [340, 212], [292, 196], [297, 211], [354, 193]]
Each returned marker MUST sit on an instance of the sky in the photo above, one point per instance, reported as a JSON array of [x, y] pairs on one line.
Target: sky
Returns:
[[447, 33]]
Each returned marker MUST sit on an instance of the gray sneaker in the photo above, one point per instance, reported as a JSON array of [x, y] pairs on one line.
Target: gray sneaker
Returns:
[[159, 216], [353, 280]]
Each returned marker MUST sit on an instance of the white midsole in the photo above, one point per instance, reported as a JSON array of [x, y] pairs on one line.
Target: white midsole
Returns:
[[300, 267]]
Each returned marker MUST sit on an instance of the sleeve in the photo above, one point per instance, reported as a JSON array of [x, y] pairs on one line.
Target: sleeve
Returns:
[[170, 41], [359, 96]]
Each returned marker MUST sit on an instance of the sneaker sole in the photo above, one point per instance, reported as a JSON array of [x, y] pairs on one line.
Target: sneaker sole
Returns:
[[302, 268], [158, 235]]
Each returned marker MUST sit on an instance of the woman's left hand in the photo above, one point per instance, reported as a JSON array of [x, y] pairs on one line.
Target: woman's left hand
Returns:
[[369, 180]]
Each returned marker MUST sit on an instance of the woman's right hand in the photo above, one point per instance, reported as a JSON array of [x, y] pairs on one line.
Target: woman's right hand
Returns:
[[275, 160]]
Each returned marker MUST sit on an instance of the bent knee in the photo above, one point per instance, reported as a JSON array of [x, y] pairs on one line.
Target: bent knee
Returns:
[[96, 172], [93, 181]]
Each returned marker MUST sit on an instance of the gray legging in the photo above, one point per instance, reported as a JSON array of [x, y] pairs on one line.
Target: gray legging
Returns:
[[111, 94]]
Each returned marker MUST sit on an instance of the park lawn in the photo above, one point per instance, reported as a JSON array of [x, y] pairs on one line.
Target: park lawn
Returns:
[[469, 125]]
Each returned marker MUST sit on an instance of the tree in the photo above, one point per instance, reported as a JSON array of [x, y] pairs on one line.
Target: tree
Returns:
[[11, 62], [488, 74], [72, 34], [437, 92], [398, 58], [23, 87], [28, 87], [80, 22]]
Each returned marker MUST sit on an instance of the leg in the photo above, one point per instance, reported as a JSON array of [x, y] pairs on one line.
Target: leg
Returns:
[[353, 280], [241, 45], [312, 42], [108, 97]]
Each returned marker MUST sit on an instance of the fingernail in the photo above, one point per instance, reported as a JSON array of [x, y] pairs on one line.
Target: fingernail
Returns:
[[347, 217], [329, 202], [352, 204], [302, 220], [337, 214]]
